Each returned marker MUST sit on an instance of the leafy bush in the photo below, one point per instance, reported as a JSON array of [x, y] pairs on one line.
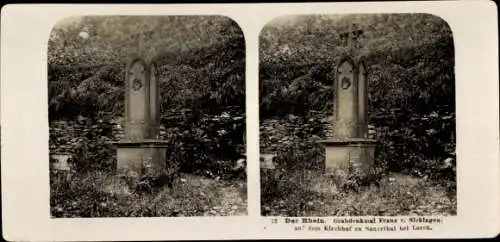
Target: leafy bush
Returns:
[[411, 99], [206, 145], [301, 155], [206, 75], [88, 140]]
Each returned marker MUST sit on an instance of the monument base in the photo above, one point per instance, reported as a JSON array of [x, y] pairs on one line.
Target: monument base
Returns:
[[141, 158], [348, 153]]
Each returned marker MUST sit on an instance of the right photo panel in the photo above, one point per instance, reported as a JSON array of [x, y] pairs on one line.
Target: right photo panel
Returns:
[[357, 116]]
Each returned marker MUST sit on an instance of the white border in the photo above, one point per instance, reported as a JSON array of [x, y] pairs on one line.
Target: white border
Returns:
[[25, 188]]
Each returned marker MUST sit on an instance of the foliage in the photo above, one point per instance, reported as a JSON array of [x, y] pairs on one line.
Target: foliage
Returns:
[[200, 68], [113, 38], [101, 194], [301, 150], [312, 194], [410, 59], [88, 139], [206, 145]]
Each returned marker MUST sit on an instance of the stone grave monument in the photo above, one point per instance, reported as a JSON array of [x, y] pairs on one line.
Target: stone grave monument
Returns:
[[350, 147], [141, 152]]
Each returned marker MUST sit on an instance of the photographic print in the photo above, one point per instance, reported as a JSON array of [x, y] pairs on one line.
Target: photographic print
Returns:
[[129, 122], [357, 116], [147, 117]]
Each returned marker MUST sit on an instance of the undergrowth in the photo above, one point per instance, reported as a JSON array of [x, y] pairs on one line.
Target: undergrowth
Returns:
[[102, 194], [308, 193]]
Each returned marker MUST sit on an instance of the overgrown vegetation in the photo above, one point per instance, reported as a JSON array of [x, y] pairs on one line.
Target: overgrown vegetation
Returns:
[[410, 59], [202, 85], [201, 63], [102, 194], [313, 194]]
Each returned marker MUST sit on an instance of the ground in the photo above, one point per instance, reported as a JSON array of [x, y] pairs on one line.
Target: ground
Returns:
[[99, 194], [311, 194]]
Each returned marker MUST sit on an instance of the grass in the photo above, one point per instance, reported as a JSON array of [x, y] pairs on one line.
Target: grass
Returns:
[[313, 194], [101, 194]]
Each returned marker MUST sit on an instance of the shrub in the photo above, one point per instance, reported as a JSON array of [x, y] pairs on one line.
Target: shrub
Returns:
[[86, 77], [301, 155], [94, 155], [411, 99], [206, 145]]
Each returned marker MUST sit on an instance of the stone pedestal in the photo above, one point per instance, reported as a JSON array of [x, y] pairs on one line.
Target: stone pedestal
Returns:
[[61, 161], [348, 153], [141, 158]]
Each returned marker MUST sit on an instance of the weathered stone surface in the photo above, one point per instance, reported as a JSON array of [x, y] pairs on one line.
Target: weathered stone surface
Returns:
[[140, 153], [350, 147], [362, 100], [143, 158], [60, 161], [346, 95], [346, 153], [266, 161]]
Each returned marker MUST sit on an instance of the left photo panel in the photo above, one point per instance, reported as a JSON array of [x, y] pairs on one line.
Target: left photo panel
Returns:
[[147, 117]]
